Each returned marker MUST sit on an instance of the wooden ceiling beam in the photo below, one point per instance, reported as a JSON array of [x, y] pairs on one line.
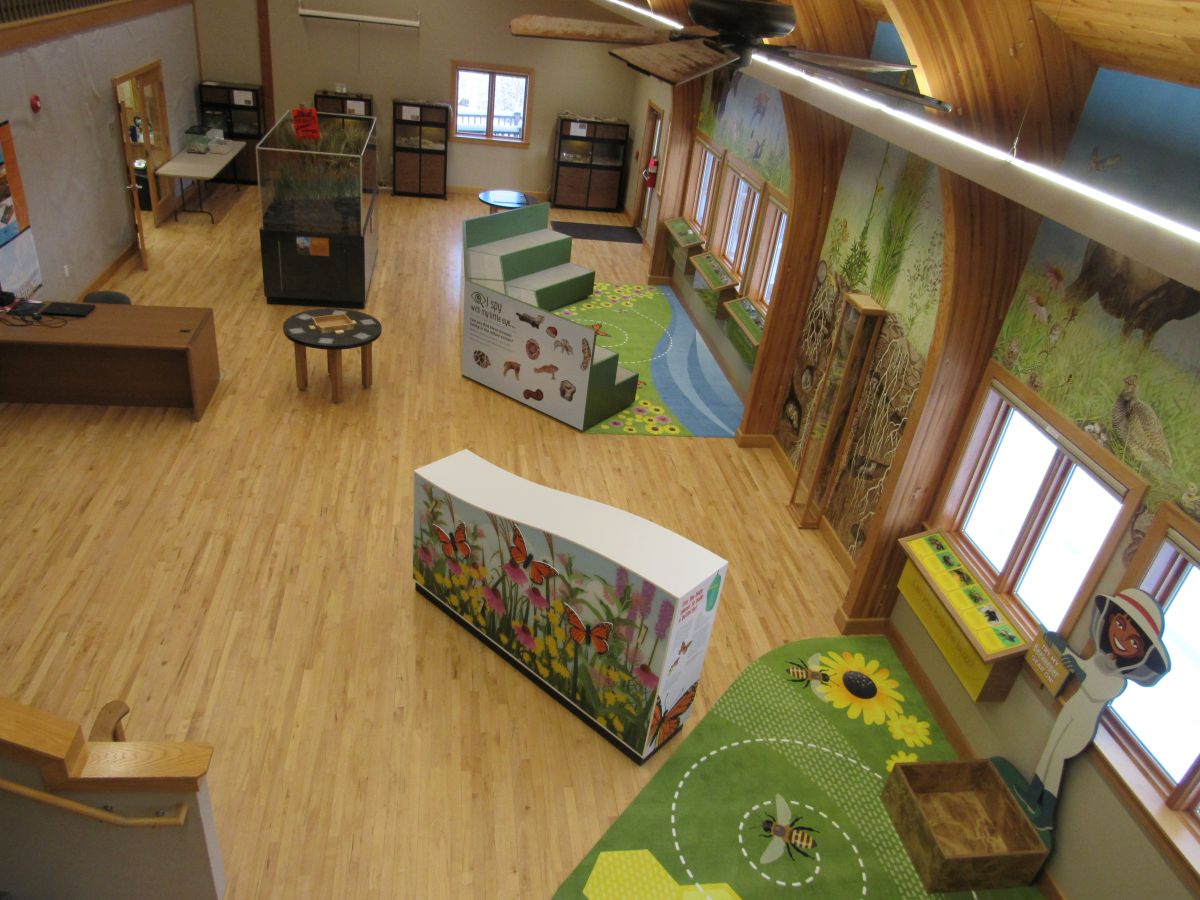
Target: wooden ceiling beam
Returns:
[[818, 145], [1009, 72]]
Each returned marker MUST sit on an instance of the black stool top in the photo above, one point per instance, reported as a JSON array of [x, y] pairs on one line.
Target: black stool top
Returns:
[[300, 328]]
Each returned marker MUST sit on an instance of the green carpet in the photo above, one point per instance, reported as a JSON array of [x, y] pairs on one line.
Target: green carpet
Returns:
[[697, 828], [681, 390]]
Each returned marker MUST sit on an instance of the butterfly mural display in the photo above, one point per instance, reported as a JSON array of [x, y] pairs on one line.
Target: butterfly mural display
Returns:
[[520, 556], [597, 635]]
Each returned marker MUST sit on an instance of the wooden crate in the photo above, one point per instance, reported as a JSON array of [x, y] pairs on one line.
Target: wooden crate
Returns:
[[961, 826]]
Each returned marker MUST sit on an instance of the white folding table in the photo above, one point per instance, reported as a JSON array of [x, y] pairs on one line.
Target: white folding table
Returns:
[[199, 167]]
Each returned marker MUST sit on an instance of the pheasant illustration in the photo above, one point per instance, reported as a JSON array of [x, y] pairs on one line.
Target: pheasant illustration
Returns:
[[1137, 426]]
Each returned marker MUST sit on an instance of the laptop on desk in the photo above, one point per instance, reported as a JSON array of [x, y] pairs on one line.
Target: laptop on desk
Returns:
[[74, 310]]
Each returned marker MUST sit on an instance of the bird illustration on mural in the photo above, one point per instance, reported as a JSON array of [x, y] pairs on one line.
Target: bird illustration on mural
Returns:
[[1137, 427]]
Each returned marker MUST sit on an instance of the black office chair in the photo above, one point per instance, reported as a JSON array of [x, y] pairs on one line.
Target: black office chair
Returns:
[[107, 297]]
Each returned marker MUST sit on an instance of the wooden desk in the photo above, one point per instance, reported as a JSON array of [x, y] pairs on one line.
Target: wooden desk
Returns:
[[199, 167], [118, 356]]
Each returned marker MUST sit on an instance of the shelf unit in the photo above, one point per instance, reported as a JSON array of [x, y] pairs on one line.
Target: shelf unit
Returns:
[[420, 132], [590, 160], [343, 104], [236, 109]]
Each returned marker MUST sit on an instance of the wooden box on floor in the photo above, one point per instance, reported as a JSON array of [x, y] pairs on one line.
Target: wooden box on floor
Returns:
[[961, 826]]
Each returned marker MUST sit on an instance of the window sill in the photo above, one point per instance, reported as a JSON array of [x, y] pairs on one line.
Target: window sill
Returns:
[[493, 142], [1175, 833]]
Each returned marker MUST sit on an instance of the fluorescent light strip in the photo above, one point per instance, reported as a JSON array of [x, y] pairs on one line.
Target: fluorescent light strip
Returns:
[[642, 11], [1078, 187]]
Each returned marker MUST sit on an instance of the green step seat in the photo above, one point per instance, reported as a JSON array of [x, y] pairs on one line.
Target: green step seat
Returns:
[[611, 388], [511, 257], [554, 287]]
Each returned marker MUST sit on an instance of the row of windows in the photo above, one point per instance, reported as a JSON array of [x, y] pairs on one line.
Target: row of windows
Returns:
[[740, 218], [1041, 518]]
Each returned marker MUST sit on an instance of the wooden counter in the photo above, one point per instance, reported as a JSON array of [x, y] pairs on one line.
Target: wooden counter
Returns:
[[117, 356]]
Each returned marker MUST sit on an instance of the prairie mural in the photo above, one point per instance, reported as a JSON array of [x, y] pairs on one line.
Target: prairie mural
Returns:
[[1105, 340], [745, 117], [885, 240]]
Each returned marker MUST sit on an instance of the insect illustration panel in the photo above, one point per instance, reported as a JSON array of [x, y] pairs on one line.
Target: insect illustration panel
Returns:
[[598, 635]]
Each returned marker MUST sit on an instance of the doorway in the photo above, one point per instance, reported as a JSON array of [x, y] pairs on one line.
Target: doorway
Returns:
[[651, 172], [146, 144]]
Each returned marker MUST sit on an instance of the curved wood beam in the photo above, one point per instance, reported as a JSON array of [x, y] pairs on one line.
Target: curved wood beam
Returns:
[[817, 143], [1008, 72]]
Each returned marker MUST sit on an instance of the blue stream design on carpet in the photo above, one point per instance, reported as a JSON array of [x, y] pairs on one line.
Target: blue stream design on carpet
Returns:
[[690, 380]]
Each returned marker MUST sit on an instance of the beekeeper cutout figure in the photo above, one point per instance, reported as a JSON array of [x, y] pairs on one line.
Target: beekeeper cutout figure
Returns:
[[1127, 633]]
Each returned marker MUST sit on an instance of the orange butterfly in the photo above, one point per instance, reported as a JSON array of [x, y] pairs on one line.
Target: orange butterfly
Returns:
[[457, 543], [597, 635], [538, 571], [663, 728]]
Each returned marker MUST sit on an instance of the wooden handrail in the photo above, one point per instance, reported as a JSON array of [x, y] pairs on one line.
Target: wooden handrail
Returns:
[[100, 815]]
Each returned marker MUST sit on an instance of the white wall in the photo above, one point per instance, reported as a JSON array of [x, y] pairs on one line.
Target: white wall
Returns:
[[70, 154]]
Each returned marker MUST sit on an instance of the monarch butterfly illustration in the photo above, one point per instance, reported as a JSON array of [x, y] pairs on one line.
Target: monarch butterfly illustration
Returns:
[[663, 727], [597, 635], [538, 571], [458, 543]]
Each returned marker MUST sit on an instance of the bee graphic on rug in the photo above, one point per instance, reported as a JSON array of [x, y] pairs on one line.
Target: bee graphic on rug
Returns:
[[534, 319], [789, 837], [806, 675]]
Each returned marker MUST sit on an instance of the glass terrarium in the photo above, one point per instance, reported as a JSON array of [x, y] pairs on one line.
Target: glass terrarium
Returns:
[[326, 184], [318, 203]]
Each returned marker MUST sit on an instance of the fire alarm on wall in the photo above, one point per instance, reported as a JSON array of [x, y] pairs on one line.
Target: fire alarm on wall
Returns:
[[35, 103]]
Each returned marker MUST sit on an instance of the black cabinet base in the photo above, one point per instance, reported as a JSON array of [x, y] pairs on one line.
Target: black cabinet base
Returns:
[[318, 269]]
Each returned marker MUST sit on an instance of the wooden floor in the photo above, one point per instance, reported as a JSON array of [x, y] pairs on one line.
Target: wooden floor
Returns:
[[246, 580]]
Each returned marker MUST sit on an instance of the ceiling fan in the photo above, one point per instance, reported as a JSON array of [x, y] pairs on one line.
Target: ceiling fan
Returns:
[[724, 33]]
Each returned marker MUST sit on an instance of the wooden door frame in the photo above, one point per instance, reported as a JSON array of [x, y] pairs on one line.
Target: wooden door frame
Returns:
[[161, 206], [653, 114]]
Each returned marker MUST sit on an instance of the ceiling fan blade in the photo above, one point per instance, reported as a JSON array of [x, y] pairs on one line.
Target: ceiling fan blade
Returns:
[[834, 61], [675, 62], [585, 30]]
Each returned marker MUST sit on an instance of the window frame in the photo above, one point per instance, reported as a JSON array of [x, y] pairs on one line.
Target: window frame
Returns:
[[1168, 810], [773, 219], [701, 151], [491, 70], [998, 392], [733, 172]]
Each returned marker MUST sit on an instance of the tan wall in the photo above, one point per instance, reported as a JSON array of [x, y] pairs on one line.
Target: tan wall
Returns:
[[227, 31], [414, 64]]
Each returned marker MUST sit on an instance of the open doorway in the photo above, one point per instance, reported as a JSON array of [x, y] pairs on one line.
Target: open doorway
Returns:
[[651, 142], [146, 144]]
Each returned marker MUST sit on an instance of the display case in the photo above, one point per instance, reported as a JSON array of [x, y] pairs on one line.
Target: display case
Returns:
[[826, 429], [344, 103], [420, 130], [319, 235], [237, 110], [589, 163]]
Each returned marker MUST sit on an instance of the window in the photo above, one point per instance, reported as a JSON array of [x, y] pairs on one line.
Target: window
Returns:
[[1036, 515], [1150, 736], [701, 185], [734, 218], [764, 262], [491, 103]]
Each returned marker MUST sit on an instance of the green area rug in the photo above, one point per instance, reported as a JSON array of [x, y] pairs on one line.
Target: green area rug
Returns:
[[817, 724], [681, 389]]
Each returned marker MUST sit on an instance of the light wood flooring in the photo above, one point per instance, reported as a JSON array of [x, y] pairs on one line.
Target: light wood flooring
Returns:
[[245, 580]]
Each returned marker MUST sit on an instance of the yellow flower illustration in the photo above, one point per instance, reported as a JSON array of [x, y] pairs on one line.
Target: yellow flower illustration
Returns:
[[543, 669], [861, 688], [560, 669], [617, 726], [911, 730], [419, 576], [900, 756]]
